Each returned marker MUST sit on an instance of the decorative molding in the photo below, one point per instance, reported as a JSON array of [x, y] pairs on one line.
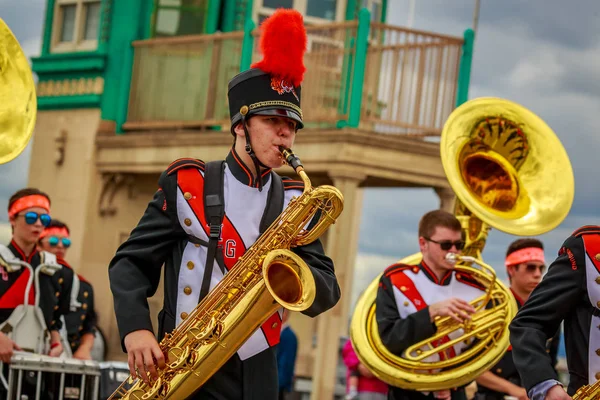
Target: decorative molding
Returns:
[[71, 87], [111, 184], [106, 20]]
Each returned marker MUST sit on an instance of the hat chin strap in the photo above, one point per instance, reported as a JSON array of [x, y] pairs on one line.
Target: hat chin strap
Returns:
[[255, 160]]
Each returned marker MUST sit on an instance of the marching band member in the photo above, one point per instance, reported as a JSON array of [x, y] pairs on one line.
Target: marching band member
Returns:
[[29, 213], [525, 265], [265, 113], [569, 292], [80, 324], [411, 297]]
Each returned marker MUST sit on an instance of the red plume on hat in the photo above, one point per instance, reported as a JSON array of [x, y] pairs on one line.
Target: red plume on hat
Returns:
[[283, 43]]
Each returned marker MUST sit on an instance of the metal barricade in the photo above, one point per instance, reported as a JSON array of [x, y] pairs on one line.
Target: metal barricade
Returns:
[[40, 377]]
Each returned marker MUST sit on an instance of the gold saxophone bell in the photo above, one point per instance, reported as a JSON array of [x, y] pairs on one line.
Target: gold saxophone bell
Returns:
[[509, 171], [18, 102]]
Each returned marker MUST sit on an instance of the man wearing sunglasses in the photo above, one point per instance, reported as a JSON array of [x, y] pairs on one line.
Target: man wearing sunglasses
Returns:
[[525, 265], [569, 292], [80, 324], [28, 214], [411, 297]]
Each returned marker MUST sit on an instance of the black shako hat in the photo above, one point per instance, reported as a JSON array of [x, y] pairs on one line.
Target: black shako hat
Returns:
[[272, 85]]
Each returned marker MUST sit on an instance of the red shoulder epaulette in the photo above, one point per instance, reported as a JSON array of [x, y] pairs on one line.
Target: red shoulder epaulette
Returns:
[[468, 279], [398, 267], [185, 163], [289, 184], [586, 229]]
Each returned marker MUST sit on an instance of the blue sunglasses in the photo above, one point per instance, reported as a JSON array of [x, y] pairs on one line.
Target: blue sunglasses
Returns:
[[53, 241], [32, 217]]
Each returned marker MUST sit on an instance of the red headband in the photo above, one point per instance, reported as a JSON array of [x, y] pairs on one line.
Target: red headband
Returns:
[[55, 230], [34, 200], [525, 255]]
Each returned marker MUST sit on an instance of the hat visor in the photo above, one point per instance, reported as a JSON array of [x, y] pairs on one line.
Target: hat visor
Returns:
[[280, 112]]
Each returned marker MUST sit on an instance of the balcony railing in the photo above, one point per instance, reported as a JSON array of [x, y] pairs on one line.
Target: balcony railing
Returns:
[[399, 81]]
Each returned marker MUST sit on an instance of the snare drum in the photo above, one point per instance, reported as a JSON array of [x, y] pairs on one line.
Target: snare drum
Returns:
[[40, 377]]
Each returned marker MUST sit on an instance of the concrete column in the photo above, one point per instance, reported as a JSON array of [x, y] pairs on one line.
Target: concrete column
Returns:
[[342, 243], [447, 197]]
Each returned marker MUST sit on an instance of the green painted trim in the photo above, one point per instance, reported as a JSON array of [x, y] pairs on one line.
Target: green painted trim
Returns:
[[346, 75], [147, 15], [47, 39], [105, 22], [350, 10], [228, 17], [67, 102], [384, 4], [358, 76], [212, 16], [68, 62], [247, 45], [249, 5], [464, 72], [185, 8]]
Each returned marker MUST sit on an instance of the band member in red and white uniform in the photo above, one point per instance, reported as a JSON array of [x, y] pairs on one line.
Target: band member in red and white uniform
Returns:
[[265, 114], [81, 323], [410, 297], [569, 292], [525, 264], [29, 213]]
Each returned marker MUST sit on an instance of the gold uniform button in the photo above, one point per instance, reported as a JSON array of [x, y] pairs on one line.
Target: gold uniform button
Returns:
[[274, 325], [85, 294], [184, 315], [190, 265], [80, 327], [499, 370], [83, 317], [60, 281], [187, 195], [403, 288], [597, 257], [56, 307], [597, 375], [72, 344], [406, 304], [84, 306], [57, 294], [598, 280], [197, 244], [598, 304], [598, 352], [187, 290], [187, 222], [458, 276]]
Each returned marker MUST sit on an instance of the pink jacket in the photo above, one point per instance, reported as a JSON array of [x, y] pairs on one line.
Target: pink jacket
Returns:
[[364, 384]]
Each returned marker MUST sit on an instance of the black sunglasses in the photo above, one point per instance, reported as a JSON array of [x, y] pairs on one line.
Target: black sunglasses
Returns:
[[447, 244], [531, 268]]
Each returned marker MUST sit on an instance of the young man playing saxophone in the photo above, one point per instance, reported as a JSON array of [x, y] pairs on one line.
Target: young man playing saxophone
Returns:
[[265, 115]]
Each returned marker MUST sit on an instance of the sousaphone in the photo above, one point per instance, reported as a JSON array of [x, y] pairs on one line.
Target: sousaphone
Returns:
[[18, 102], [508, 171]]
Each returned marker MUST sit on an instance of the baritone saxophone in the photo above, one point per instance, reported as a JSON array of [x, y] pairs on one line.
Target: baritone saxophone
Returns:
[[268, 276]]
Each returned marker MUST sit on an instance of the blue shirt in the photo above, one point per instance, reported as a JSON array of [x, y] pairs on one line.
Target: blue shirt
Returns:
[[286, 358]]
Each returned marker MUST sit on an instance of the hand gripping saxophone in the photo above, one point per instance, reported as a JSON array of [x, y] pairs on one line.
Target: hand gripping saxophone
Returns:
[[268, 276], [588, 392]]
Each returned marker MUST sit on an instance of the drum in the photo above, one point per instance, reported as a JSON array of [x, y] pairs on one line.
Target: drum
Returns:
[[40, 377]]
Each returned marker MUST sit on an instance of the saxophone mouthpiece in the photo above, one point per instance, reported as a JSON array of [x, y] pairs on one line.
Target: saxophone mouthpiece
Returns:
[[291, 159]]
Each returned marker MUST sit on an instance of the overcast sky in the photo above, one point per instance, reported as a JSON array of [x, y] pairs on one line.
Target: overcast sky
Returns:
[[544, 55]]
